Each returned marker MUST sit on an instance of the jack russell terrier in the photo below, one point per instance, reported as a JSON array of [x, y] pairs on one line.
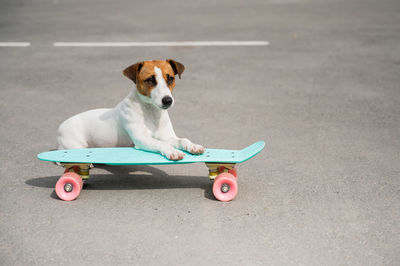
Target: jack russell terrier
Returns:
[[141, 119]]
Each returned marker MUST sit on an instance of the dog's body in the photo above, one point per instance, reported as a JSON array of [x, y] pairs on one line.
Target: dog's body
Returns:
[[141, 119]]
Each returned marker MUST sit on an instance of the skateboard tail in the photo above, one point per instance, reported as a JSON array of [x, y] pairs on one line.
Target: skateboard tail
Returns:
[[251, 151]]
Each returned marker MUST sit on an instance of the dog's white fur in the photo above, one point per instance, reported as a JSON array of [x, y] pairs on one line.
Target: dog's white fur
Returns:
[[137, 120]]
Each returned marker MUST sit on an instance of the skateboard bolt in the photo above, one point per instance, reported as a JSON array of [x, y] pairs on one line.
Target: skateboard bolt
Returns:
[[225, 188], [68, 187]]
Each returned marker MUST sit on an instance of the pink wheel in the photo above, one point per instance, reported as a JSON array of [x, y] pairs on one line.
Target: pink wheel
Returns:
[[225, 187], [69, 186]]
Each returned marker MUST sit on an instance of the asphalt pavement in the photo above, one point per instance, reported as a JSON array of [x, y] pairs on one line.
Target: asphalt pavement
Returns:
[[324, 95]]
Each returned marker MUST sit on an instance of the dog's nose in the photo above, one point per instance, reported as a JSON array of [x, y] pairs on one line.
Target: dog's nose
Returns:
[[166, 101]]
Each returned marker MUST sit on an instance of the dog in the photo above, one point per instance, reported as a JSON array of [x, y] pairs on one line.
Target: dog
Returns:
[[140, 120]]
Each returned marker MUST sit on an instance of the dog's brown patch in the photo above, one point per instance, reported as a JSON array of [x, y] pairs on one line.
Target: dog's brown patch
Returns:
[[141, 72]]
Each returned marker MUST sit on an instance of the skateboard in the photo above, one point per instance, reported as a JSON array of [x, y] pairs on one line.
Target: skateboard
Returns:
[[78, 162]]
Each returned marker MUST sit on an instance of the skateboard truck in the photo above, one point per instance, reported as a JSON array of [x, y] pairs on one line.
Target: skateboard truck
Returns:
[[80, 169], [214, 169]]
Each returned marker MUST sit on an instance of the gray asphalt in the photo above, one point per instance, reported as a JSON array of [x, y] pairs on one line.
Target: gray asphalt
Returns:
[[324, 95]]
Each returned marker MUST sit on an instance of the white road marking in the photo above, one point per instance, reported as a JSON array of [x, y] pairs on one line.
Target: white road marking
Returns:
[[149, 44], [15, 44]]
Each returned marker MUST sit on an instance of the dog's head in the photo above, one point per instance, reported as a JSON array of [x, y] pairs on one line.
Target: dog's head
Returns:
[[155, 80]]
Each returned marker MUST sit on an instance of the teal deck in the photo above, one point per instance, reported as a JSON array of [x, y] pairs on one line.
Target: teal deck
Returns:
[[132, 156]]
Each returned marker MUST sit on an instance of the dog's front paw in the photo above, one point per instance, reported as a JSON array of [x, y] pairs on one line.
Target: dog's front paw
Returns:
[[196, 149], [189, 146], [175, 155]]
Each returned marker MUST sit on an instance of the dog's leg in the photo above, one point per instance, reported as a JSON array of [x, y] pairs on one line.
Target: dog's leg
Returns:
[[143, 140], [185, 144], [167, 134], [64, 143], [164, 148]]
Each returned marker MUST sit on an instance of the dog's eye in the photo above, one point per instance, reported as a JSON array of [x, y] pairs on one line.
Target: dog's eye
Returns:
[[152, 81], [170, 79]]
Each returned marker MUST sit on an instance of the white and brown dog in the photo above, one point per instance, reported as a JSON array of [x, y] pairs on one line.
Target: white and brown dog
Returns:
[[141, 119]]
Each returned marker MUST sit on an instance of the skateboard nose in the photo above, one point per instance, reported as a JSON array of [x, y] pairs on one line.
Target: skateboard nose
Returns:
[[166, 102]]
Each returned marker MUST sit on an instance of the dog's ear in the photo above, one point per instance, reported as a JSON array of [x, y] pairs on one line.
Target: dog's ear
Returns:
[[177, 67], [131, 72]]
